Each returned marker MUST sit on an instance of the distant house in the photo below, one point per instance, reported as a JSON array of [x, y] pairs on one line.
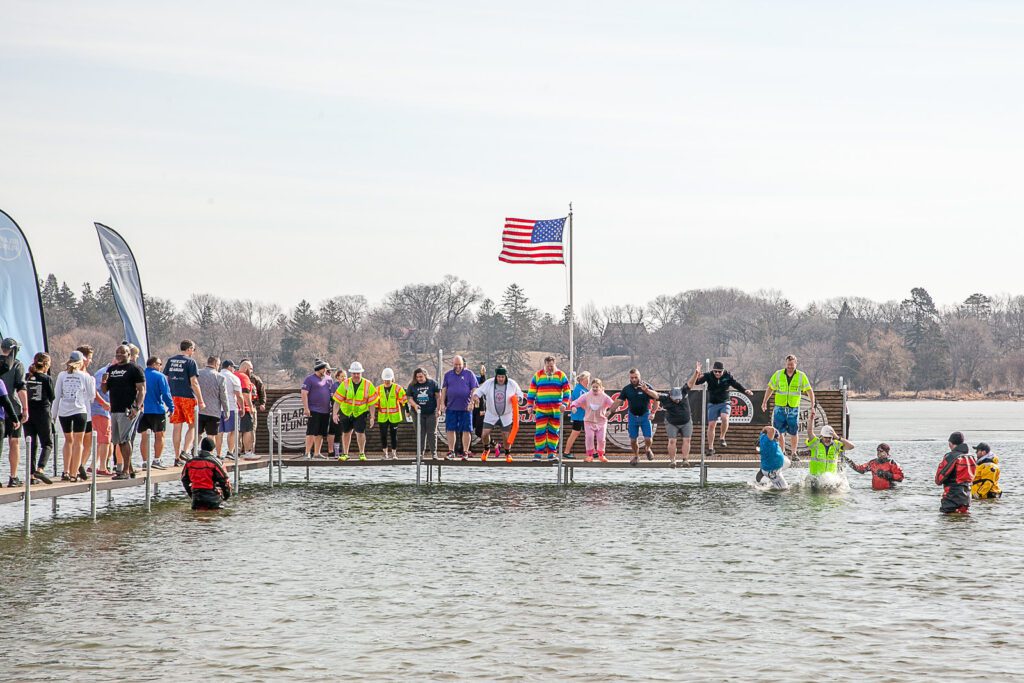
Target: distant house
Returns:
[[620, 339], [411, 340]]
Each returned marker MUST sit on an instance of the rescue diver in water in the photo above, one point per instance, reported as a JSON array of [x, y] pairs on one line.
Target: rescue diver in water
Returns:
[[885, 472], [205, 480]]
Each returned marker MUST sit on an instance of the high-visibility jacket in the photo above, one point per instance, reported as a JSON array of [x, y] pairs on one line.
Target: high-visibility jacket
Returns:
[[986, 478], [823, 459], [787, 391], [355, 400], [390, 401]]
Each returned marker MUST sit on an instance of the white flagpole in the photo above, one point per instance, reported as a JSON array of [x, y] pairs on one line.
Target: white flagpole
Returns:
[[572, 313]]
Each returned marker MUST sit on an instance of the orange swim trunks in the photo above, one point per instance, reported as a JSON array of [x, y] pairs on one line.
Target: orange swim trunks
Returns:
[[184, 411]]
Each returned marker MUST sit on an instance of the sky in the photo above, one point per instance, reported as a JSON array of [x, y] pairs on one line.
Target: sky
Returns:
[[282, 151]]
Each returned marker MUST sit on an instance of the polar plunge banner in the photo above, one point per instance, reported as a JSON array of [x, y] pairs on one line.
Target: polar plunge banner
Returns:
[[21, 307], [126, 285]]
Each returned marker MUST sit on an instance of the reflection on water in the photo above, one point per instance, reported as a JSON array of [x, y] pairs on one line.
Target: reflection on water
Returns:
[[625, 575]]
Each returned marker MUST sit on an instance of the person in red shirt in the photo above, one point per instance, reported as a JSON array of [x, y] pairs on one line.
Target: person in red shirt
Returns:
[[247, 423], [885, 471], [955, 475]]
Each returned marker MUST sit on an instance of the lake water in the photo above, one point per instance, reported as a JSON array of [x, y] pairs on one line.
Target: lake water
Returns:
[[626, 575]]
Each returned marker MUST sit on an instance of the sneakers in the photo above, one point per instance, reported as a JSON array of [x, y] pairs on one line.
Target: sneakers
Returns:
[[723, 443], [14, 481], [589, 458], [569, 456], [600, 456], [121, 476], [362, 456], [483, 456], [82, 474], [157, 465], [343, 457], [634, 460], [537, 457], [649, 453], [466, 456], [41, 476], [450, 456], [552, 457], [508, 456]]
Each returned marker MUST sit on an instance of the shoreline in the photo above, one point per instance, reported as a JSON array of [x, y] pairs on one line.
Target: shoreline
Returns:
[[936, 396]]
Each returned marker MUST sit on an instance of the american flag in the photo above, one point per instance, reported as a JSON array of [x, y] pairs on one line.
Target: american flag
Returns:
[[526, 241]]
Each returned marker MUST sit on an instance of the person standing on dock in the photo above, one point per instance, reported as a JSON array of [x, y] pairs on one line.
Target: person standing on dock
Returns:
[[87, 351], [126, 385], [678, 421], [390, 402], [155, 409], [457, 388], [70, 407], [183, 377], [578, 414], [423, 393], [637, 395], [316, 405], [39, 428], [788, 385], [213, 387], [334, 430], [204, 478], [497, 394], [594, 404], [12, 374], [230, 421], [719, 383], [247, 416], [7, 408], [356, 400], [955, 475], [547, 396]]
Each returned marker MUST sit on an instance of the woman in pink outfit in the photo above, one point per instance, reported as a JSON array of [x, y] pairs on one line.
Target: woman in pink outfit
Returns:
[[595, 404]]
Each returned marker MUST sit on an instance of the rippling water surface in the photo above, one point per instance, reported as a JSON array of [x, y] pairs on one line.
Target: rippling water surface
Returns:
[[505, 576]]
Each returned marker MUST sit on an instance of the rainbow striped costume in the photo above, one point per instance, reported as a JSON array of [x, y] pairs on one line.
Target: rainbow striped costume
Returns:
[[548, 394]]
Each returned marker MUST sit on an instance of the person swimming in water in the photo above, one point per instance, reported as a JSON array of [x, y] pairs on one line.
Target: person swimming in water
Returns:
[[772, 459], [885, 472], [204, 478]]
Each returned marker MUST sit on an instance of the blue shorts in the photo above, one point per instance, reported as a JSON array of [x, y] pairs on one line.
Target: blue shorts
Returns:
[[227, 424], [639, 423], [715, 410], [458, 421], [785, 420]]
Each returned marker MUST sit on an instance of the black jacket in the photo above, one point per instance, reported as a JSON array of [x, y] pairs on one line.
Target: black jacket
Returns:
[[718, 387]]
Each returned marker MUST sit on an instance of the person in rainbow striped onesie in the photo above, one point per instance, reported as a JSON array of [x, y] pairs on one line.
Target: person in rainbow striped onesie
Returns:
[[548, 395]]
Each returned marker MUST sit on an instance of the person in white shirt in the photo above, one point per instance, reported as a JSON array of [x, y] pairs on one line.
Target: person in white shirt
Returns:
[[233, 385], [73, 396], [497, 394]]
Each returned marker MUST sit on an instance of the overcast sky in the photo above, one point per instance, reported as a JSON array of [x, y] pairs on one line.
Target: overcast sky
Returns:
[[302, 150]]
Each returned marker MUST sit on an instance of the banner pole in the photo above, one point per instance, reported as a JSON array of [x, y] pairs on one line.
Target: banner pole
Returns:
[[572, 311]]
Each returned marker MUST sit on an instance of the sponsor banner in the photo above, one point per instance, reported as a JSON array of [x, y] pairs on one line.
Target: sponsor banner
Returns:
[[126, 285], [21, 309], [291, 433]]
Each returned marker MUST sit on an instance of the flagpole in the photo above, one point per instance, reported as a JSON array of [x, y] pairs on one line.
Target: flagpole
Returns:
[[572, 312]]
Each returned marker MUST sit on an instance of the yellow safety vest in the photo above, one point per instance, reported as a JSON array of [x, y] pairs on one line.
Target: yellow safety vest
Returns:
[[823, 459], [389, 403], [787, 391], [355, 401]]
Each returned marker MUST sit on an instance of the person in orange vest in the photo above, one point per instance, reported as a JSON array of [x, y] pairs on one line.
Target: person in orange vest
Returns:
[[390, 402]]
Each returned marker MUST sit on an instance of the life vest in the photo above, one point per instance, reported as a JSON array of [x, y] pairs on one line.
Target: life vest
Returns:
[[389, 403], [986, 479], [355, 400], [824, 458], [788, 391]]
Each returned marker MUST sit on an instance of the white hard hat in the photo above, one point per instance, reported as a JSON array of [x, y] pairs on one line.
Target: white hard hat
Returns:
[[356, 367], [388, 375], [827, 431]]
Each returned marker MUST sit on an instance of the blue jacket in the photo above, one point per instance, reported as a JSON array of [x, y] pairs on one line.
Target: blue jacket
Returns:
[[772, 457], [158, 394]]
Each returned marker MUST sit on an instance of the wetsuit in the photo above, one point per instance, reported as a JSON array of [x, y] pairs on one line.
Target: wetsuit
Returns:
[[955, 475], [205, 482], [884, 473]]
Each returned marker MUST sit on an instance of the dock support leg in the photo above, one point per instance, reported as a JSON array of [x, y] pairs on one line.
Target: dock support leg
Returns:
[[419, 443], [280, 448], [92, 485], [27, 455], [149, 474], [238, 451], [110, 497], [270, 447]]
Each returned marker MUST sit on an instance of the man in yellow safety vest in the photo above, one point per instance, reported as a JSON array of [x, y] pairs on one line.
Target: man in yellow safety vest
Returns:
[[788, 385], [355, 399], [826, 450], [390, 401]]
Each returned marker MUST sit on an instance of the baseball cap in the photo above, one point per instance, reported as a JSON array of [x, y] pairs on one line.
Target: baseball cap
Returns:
[[500, 370], [76, 357], [718, 365], [227, 364], [676, 394], [320, 365], [983, 447], [8, 343]]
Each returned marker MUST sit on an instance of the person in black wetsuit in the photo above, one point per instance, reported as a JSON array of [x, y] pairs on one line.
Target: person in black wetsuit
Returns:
[[204, 478]]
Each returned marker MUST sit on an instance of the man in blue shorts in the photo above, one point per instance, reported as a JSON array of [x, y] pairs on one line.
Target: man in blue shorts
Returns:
[[788, 385], [457, 397], [637, 395], [719, 383]]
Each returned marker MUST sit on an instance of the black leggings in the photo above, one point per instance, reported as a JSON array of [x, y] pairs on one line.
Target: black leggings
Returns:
[[385, 429], [39, 431]]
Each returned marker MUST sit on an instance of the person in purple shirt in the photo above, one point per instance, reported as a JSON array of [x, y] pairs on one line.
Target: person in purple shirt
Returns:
[[316, 404], [457, 397]]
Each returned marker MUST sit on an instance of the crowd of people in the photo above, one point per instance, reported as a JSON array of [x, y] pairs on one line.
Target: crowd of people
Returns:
[[122, 400]]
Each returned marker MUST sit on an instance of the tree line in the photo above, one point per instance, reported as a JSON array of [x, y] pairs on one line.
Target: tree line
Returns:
[[885, 347]]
